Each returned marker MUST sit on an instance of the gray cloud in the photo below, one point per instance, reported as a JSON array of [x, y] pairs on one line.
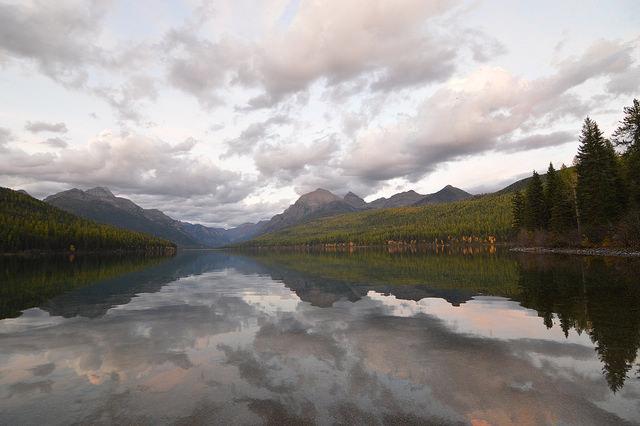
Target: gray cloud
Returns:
[[286, 160], [132, 164], [538, 141], [5, 137], [43, 126], [55, 142], [625, 83], [481, 114], [253, 134], [200, 67], [55, 36]]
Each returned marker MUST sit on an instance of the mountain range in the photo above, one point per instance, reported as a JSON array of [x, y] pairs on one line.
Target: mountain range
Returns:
[[101, 205]]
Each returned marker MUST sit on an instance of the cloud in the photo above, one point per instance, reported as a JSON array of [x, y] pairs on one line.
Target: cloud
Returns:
[[5, 137], [341, 41], [200, 67], [55, 142], [538, 141], [57, 37], [64, 41], [625, 83], [253, 134], [388, 47], [132, 164], [286, 160], [42, 126], [480, 113]]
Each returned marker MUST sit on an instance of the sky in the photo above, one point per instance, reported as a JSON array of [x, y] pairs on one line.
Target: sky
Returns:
[[224, 112]]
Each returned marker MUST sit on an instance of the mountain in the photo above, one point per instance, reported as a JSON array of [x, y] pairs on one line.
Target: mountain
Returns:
[[322, 203], [210, 237], [401, 199], [482, 218], [101, 205], [355, 201], [30, 224], [245, 231], [445, 195], [316, 204]]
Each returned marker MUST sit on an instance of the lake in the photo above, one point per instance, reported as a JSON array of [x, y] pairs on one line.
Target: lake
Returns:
[[455, 336]]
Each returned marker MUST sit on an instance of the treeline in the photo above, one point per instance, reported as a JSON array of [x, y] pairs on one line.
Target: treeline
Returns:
[[597, 202], [29, 224]]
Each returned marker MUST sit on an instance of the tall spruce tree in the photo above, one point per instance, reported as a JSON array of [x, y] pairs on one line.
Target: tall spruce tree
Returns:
[[517, 207], [562, 217], [535, 211], [612, 172], [551, 190], [628, 135], [596, 191]]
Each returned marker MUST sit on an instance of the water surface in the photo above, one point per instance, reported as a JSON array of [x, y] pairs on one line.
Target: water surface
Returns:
[[368, 337]]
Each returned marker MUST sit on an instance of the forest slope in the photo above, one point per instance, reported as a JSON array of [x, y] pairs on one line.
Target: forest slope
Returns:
[[30, 224], [481, 218]]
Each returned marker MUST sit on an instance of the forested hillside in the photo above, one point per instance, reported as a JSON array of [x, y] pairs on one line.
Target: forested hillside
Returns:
[[30, 224], [484, 218]]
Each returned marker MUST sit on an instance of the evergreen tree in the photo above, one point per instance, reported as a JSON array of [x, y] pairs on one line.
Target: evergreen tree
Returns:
[[595, 183], [535, 216], [562, 215], [628, 132], [628, 135], [616, 202], [518, 210], [551, 190]]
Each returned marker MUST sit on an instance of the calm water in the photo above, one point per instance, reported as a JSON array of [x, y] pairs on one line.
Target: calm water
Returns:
[[348, 338]]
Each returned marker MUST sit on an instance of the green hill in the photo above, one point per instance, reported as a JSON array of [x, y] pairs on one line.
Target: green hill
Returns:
[[479, 218], [30, 224]]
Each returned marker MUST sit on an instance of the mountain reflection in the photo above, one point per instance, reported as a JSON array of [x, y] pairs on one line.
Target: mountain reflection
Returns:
[[361, 337]]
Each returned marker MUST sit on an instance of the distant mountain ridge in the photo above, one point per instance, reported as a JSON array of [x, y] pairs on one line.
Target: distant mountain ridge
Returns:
[[101, 205]]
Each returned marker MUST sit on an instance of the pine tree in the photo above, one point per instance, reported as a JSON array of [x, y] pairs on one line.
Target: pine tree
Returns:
[[551, 191], [597, 190], [628, 135], [535, 215], [628, 132], [562, 217], [517, 207], [612, 172]]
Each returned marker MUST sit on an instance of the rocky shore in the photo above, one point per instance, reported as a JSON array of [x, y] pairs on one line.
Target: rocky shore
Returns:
[[618, 252]]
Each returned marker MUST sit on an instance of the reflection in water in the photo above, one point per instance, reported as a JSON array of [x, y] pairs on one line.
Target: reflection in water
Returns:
[[360, 337], [26, 282]]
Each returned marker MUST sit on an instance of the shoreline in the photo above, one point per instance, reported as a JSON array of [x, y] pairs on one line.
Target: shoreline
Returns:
[[44, 253], [607, 252]]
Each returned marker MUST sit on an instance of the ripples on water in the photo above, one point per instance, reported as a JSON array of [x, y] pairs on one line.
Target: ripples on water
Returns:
[[361, 337]]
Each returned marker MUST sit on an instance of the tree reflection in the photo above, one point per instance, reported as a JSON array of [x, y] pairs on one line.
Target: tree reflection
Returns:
[[594, 295]]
